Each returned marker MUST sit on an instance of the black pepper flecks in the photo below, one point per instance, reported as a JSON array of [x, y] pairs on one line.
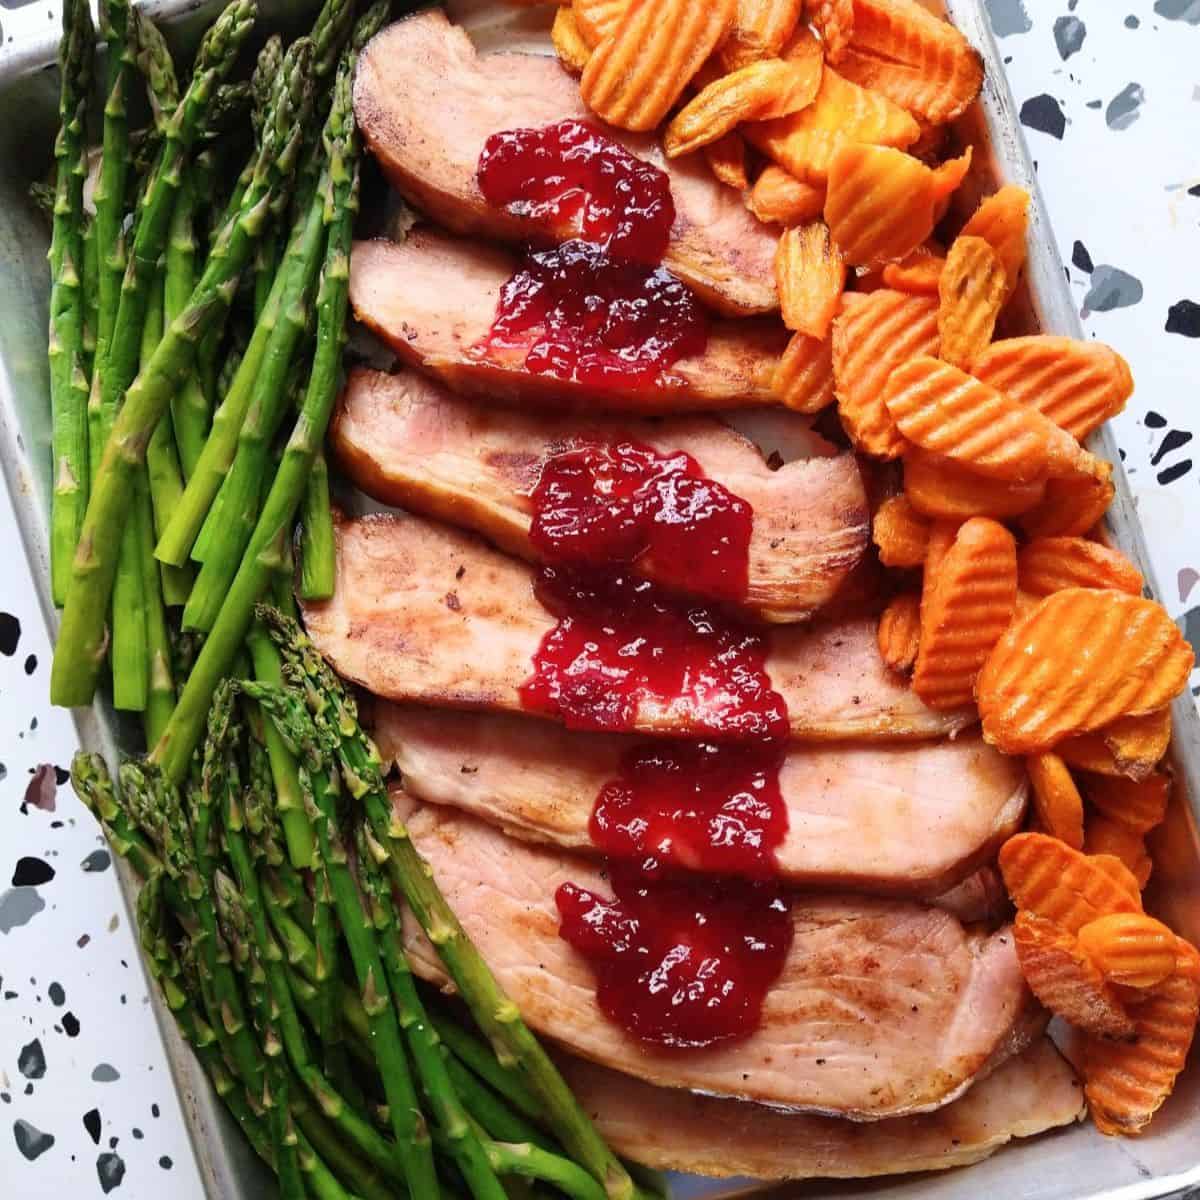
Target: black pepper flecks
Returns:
[[31, 871], [111, 1170], [1184, 317], [31, 1141], [1044, 114], [31, 1061], [10, 634]]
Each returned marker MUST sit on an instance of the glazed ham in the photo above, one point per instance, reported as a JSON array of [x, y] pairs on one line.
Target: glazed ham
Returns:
[[673, 1130], [406, 440], [426, 103], [883, 1008], [428, 614], [433, 299], [851, 809]]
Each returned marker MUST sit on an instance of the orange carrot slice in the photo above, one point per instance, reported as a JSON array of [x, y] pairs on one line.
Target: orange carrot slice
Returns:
[[1050, 564], [1001, 220], [803, 379], [1106, 836], [918, 272], [899, 632], [970, 294], [726, 158], [810, 274], [782, 199], [1070, 506], [760, 30], [834, 21], [1058, 802], [900, 533], [941, 488], [598, 18], [1131, 949]]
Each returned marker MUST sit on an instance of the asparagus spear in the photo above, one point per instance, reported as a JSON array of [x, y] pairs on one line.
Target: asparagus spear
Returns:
[[79, 652], [91, 308], [318, 553], [154, 60], [68, 383], [271, 535], [410, 874], [160, 698]]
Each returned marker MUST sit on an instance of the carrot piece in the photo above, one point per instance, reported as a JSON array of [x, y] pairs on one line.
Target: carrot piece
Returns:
[[1131, 949], [780, 198], [803, 46], [900, 532], [1058, 802], [941, 488], [569, 44], [1045, 876], [810, 275], [1001, 220], [834, 21], [946, 411], [965, 606], [970, 293], [760, 30], [1070, 506], [1138, 804], [1050, 564], [1076, 662], [1078, 385], [918, 61], [803, 378], [941, 538], [726, 158], [1065, 980], [637, 72], [880, 202], [917, 272], [598, 18], [805, 143], [1130, 747], [756, 92], [1106, 836], [1125, 1083], [871, 336], [899, 632]]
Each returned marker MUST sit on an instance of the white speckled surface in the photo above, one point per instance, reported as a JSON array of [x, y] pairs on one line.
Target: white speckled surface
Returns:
[[1123, 188]]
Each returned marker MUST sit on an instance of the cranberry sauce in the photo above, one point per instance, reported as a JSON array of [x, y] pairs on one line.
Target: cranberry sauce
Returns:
[[582, 316], [621, 641], [679, 964], [696, 806], [571, 176], [598, 504]]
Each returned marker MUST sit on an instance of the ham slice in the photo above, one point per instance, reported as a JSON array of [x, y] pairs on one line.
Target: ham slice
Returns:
[[433, 299], [883, 1007], [426, 613], [426, 103], [407, 440], [852, 809], [706, 1135]]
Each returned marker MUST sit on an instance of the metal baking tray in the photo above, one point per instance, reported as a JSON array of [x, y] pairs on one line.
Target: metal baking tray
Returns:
[[1069, 1163]]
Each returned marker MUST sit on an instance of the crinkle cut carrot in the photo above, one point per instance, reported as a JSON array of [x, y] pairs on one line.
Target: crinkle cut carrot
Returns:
[[1071, 506], [965, 607], [637, 72], [1045, 876], [1057, 799], [915, 59], [1078, 661], [1138, 804], [1106, 836], [1125, 1083], [805, 143], [940, 488], [760, 30], [970, 295], [1065, 980], [917, 272], [1131, 949], [899, 632], [811, 276], [726, 158], [569, 43], [1078, 385], [1002, 220], [834, 21], [782, 199], [598, 18], [871, 337], [803, 378], [1050, 564], [900, 533]]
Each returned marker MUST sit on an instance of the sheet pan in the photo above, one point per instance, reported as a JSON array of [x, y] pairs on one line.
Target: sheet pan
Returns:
[[1072, 1163]]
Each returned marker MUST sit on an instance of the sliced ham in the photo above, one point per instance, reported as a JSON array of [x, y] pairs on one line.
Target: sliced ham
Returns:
[[673, 1130], [852, 809], [426, 103], [426, 613], [883, 1007], [407, 440], [433, 299]]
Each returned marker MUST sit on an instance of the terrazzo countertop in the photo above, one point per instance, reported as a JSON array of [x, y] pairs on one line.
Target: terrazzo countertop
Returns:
[[1109, 92]]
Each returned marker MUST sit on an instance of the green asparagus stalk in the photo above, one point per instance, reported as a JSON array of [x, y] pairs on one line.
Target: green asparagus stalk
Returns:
[[318, 553], [262, 82], [129, 651], [498, 1017], [80, 648], [68, 381], [91, 309], [272, 533], [157, 67], [230, 107], [160, 684]]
